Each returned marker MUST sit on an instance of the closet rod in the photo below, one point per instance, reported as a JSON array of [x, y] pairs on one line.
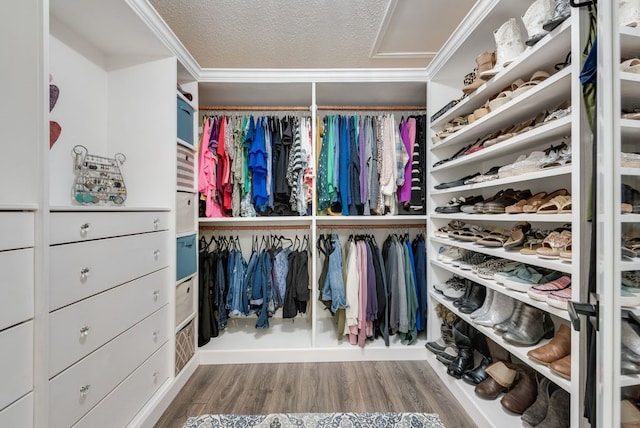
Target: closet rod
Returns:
[[254, 108], [257, 227], [372, 226], [372, 108]]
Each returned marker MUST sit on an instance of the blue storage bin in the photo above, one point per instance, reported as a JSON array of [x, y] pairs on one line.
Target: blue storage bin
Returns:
[[185, 121], [186, 256]]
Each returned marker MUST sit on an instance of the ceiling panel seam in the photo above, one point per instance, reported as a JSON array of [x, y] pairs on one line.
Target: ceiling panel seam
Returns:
[[384, 25]]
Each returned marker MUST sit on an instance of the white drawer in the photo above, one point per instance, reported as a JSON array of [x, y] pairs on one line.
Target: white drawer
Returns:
[[124, 402], [16, 230], [16, 363], [83, 226], [75, 391], [83, 327], [185, 300], [186, 206], [19, 414], [83, 269], [16, 287]]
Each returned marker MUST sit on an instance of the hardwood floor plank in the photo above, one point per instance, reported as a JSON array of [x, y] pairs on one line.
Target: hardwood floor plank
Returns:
[[366, 386]]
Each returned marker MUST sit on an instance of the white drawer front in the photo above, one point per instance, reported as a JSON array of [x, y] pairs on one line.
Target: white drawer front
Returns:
[[186, 206], [16, 230], [16, 363], [185, 300], [76, 390], [84, 226], [16, 287], [124, 402], [83, 269], [83, 327], [19, 414]]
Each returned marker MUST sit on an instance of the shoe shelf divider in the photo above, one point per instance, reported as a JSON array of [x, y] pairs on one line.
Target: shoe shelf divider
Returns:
[[630, 218], [469, 41], [630, 128], [627, 265], [540, 56], [629, 380], [520, 352], [550, 131], [632, 172], [523, 297]]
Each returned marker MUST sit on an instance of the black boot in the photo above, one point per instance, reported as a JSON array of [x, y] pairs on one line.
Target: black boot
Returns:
[[478, 374], [462, 334], [475, 299]]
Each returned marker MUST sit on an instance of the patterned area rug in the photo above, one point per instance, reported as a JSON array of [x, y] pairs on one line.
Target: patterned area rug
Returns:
[[317, 420]]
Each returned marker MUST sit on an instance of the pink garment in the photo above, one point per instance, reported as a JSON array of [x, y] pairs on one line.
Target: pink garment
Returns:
[[408, 135], [206, 169]]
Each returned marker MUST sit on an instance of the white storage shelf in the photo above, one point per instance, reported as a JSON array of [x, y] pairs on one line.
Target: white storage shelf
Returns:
[[520, 352], [538, 218], [630, 129], [629, 42]]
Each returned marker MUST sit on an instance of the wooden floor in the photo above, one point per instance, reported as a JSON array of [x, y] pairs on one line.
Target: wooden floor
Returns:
[[371, 386]]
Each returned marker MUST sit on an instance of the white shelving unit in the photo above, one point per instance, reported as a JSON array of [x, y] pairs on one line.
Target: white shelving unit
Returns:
[[446, 73]]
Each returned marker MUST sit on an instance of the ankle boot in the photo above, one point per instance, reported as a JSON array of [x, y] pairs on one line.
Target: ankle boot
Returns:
[[462, 334], [559, 411], [532, 326], [536, 413], [509, 44], [478, 374], [501, 378], [445, 339], [485, 306], [467, 292], [523, 394], [538, 13], [497, 352], [558, 347], [512, 320], [561, 11], [484, 62], [474, 300], [501, 309], [629, 414]]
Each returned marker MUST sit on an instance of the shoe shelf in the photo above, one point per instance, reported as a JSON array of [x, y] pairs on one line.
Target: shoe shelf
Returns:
[[629, 218], [629, 42], [629, 380], [523, 297], [553, 264], [627, 265], [371, 219], [632, 172], [629, 90], [519, 352], [548, 173], [548, 132], [549, 51], [630, 129], [546, 95], [491, 411], [538, 218]]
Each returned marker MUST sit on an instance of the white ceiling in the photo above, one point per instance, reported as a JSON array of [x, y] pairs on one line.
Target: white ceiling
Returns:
[[316, 34]]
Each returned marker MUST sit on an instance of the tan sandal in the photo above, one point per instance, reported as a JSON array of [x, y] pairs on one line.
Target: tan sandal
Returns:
[[553, 244], [536, 78], [535, 204], [518, 207], [555, 205]]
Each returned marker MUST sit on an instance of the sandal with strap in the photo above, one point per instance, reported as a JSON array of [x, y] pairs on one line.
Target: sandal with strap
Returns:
[[536, 78], [555, 205], [553, 244], [518, 206], [537, 203], [517, 235], [495, 238]]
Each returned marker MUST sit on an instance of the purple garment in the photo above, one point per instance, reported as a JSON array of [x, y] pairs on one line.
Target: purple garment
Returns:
[[364, 176], [404, 191]]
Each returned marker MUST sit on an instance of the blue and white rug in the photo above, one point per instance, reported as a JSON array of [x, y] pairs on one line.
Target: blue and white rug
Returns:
[[318, 420]]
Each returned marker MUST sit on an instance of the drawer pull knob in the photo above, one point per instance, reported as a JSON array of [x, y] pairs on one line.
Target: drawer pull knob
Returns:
[[84, 273], [84, 228], [156, 294], [156, 223], [155, 335], [84, 390], [156, 254], [156, 374], [84, 331]]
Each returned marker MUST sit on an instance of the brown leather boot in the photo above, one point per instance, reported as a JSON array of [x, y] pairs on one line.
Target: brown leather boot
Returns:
[[501, 377], [485, 62], [524, 393], [562, 367], [558, 347]]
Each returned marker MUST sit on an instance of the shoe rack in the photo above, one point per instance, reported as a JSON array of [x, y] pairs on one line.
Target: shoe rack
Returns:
[[446, 72], [618, 93]]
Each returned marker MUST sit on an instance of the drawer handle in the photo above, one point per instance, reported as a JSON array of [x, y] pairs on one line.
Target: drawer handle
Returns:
[[156, 294], [84, 390], [84, 273], [84, 228], [156, 374], [156, 254], [84, 331], [156, 223], [155, 335]]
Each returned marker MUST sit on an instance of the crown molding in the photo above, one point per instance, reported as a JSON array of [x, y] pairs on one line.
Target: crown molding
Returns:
[[154, 21], [466, 27], [243, 75], [407, 55]]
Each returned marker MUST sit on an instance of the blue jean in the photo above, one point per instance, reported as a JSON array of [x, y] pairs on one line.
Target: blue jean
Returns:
[[333, 288], [237, 298], [264, 272]]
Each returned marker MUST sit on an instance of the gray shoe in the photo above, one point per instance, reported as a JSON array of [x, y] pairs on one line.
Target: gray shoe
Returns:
[[502, 327], [561, 11], [530, 328], [501, 309], [482, 310]]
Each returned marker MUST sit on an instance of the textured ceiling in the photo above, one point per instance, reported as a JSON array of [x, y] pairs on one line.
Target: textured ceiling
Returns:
[[312, 33]]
